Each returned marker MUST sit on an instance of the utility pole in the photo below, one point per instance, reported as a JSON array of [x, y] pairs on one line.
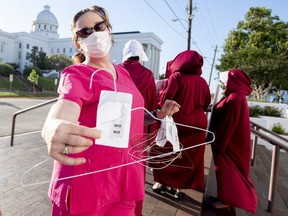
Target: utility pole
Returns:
[[189, 13], [212, 64]]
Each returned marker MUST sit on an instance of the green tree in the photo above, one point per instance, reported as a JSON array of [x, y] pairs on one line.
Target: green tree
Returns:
[[33, 78], [58, 62], [27, 70], [259, 46], [38, 58], [5, 69]]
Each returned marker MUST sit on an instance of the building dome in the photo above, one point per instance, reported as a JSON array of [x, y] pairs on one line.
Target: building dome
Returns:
[[46, 16], [46, 24]]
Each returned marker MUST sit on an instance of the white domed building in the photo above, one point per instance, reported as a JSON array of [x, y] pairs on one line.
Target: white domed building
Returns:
[[46, 24], [14, 47]]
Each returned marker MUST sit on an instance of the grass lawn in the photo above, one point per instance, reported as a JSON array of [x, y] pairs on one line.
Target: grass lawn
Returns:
[[20, 90]]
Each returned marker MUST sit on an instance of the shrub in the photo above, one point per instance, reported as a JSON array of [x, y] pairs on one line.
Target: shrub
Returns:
[[271, 111], [255, 111], [278, 128], [28, 70], [5, 69]]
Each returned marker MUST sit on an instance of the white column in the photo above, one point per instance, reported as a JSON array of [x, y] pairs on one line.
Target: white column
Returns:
[[148, 64], [153, 59], [157, 61]]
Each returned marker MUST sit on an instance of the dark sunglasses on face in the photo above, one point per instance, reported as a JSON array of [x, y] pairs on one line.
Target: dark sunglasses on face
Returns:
[[85, 32]]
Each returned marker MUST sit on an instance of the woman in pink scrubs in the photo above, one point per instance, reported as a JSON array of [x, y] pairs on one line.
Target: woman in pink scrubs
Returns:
[[71, 135]]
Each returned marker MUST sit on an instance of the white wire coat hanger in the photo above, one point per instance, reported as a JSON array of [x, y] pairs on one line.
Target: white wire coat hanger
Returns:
[[121, 165]]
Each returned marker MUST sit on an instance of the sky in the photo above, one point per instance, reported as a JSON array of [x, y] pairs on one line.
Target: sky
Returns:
[[212, 21]]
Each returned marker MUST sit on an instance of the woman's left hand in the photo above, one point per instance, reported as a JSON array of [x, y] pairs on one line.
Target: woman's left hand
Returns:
[[168, 109]]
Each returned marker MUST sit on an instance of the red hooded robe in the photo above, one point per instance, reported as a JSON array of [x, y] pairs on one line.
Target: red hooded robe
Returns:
[[145, 82], [186, 86], [230, 123]]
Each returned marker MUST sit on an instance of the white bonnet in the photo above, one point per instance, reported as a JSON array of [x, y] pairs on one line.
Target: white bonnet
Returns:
[[134, 48]]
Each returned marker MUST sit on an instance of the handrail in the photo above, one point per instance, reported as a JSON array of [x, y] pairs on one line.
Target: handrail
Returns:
[[269, 139], [275, 157], [25, 110], [271, 132]]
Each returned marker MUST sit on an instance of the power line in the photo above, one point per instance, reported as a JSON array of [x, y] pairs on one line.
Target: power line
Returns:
[[212, 65], [163, 18], [182, 5], [209, 15], [193, 42], [175, 15]]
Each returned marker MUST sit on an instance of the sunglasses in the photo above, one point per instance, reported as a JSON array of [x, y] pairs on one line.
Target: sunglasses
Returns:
[[85, 32]]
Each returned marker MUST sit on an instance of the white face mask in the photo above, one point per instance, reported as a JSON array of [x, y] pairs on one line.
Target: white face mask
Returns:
[[96, 45]]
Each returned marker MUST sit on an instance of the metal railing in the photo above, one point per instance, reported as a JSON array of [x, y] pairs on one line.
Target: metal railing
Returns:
[[23, 111], [277, 146]]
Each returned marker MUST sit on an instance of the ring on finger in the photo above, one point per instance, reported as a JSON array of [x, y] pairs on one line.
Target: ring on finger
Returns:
[[65, 150]]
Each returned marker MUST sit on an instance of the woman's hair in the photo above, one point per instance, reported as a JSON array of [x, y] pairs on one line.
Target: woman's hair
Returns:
[[79, 57]]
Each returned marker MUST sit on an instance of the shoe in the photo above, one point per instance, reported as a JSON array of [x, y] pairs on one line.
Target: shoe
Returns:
[[215, 203], [158, 188], [212, 199], [171, 190], [179, 195]]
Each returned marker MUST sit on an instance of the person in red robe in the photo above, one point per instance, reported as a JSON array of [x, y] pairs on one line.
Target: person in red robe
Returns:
[[144, 80], [186, 86], [230, 123], [161, 84]]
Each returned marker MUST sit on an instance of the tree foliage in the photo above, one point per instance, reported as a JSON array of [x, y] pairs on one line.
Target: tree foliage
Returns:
[[27, 70], [259, 46], [58, 62], [38, 58], [33, 78], [5, 69]]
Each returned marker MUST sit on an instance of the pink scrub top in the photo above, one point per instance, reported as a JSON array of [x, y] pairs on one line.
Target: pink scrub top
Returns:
[[90, 192]]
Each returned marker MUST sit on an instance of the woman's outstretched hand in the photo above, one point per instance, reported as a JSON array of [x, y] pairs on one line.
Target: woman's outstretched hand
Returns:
[[168, 109]]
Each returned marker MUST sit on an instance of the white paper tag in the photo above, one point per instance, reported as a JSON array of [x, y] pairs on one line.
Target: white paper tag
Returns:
[[168, 132], [172, 133], [161, 139], [114, 118]]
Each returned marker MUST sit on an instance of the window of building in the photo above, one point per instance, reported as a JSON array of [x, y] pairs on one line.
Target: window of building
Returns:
[[44, 27], [20, 45], [64, 50], [41, 49], [70, 50], [19, 55], [57, 50], [27, 46], [52, 51]]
